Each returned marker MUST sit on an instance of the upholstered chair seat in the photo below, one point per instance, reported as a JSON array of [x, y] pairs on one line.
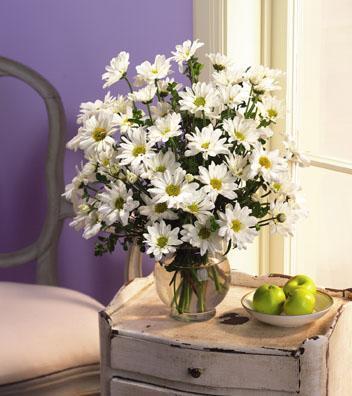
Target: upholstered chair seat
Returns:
[[45, 330]]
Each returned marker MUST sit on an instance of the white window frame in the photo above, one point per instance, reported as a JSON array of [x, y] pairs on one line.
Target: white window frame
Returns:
[[278, 46]]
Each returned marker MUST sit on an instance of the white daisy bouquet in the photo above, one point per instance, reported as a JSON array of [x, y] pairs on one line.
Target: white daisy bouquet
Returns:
[[187, 171]]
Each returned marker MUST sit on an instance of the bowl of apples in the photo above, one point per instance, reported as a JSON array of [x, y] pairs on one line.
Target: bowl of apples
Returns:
[[295, 304]]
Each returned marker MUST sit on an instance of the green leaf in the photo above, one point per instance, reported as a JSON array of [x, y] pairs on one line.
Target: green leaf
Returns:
[[213, 224], [101, 178]]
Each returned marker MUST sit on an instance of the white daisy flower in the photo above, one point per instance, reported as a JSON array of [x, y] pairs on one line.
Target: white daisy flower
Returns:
[[120, 105], [208, 142], [268, 164], [144, 95], [238, 166], [217, 180], [106, 160], [150, 72], [199, 204], [172, 188], [158, 163], [88, 109], [263, 78], [156, 211], [165, 128], [232, 95], [220, 61], [84, 176], [285, 218], [229, 76], [164, 84], [200, 235], [161, 239], [95, 134], [160, 110], [241, 130], [201, 97], [116, 203], [270, 108], [134, 147], [185, 51], [235, 225], [283, 190], [117, 69], [123, 120], [86, 218], [294, 155]]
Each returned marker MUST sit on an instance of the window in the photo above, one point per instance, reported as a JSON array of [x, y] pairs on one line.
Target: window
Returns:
[[311, 41], [321, 63]]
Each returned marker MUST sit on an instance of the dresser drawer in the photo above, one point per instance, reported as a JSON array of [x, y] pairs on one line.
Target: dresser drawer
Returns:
[[123, 387], [210, 368]]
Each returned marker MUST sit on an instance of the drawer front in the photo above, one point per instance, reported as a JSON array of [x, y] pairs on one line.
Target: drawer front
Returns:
[[123, 387], [205, 368]]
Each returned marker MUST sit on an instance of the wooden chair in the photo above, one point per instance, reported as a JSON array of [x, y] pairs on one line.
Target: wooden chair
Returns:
[[49, 337]]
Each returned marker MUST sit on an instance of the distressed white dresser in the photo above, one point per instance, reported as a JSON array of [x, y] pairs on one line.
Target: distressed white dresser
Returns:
[[147, 353]]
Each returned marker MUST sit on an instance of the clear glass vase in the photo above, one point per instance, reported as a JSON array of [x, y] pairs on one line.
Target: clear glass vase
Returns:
[[194, 291]]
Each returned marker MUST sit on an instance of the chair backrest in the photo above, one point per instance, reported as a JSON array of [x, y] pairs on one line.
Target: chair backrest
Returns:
[[44, 249]]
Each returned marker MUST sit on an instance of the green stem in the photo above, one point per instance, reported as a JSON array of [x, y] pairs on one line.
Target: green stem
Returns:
[[249, 100], [131, 90], [129, 84], [201, 297], [265, 195], [149, 112], [216, 278]]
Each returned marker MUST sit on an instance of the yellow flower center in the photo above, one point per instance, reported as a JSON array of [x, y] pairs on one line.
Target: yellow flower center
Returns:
[[160, 207], [236, 226], [138, 150], [194, 208], [160, 168], [173, 190], [205, 145], [199, 101], [165, 131], [154, 71], [119, 203], [204, 233], [126, 122], [277, 186], [240, 136], [162, 241], [265, 162], [216, 183], [272, 113], [99, 134]]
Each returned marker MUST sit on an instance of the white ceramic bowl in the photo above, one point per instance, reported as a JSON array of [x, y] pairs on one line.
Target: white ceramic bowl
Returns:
[[322, 305]]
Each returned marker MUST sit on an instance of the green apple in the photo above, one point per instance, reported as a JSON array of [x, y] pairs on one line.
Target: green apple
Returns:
[[269, 299], [299, 281], [300, 302]]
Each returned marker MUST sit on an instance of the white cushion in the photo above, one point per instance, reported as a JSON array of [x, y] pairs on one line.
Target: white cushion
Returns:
[[45, 329]]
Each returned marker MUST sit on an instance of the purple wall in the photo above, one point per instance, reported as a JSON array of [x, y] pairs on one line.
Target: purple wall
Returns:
[[69, 42]]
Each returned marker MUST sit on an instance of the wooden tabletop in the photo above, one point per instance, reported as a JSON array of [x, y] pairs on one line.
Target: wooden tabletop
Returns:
[[136, 311]]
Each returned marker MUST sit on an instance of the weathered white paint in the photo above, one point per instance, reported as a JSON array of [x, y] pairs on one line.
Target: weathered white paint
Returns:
[[147, 352], [123, 387]]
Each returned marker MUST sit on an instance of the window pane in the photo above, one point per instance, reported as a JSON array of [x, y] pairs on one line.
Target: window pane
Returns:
[[324, 78], [324, 239]]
